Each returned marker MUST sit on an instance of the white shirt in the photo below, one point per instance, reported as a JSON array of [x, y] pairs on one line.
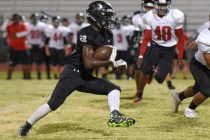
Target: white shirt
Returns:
[[120, 40], [163, 29], [75, 28], [56, 36], [203, 41], [35, 36]]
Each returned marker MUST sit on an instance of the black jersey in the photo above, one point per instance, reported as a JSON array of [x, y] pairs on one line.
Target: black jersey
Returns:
[[88, 36]]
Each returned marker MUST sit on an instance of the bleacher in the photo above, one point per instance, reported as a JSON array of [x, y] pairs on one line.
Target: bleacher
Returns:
[[196, 11]]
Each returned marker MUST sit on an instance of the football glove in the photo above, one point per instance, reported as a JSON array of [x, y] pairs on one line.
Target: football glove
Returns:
[[120, 63], [113, 55]]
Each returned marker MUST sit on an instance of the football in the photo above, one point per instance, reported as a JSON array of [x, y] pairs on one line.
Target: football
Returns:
[[103, 52]]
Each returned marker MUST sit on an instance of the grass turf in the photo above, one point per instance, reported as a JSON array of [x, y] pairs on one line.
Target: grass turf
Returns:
[[84, 116]]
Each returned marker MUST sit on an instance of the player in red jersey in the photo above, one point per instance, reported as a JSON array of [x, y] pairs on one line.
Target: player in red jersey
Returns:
[[18, 49]]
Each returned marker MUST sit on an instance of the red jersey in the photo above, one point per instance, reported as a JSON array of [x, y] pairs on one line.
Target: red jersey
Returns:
[[19, 42]]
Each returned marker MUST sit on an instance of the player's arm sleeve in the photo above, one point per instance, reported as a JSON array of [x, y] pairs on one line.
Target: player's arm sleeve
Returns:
[[25, 31], [147, 38], [181, 42]]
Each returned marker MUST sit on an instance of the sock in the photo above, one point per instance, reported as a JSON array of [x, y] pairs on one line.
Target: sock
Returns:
[[55, 76], [104, 76], [169, 83], [182, 96], [38, 75], [139, 94], [114, 100], [39, 113], [193, 106]]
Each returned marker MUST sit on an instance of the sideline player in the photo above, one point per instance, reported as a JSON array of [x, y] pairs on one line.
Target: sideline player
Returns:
[[56, 45], [77, 73], [35, 40], [121, 42], [18, 47], [47, 59], [164, 29], [200, 69]]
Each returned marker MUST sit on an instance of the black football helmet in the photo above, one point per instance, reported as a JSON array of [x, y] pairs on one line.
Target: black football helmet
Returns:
[[101, 14], [34, 18], [79, 18], [162, 6], [44, 18], [147, 3], [56, 21]]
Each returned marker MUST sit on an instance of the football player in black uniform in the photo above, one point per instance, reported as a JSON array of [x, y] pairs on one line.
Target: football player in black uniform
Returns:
[[77, 73]]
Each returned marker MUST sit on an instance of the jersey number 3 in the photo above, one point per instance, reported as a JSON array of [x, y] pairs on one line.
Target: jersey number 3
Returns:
[[163, 33]]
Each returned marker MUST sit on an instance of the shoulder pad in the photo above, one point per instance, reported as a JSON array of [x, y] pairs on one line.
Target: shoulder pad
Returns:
[[177, 14], [204, 36]]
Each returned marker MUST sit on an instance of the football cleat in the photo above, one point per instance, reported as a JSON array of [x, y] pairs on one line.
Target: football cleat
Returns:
[[190, 113], [24, 129], [137, 99], [176, 101], [119, 120], [171, 87]]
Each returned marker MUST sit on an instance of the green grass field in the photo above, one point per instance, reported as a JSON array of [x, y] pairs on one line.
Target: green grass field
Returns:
[[84, 116]]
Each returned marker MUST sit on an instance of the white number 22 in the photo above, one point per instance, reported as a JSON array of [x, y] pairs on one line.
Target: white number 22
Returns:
[[83, 38]]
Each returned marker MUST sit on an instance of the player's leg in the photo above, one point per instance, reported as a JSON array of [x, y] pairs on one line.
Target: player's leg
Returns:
[[104, 87], [149, 61], [198, 99], [179, 97], [11, 63], [39, 60], [164, 64], [61, 61], [202, 79], [25, 60], [55, 62], [47, 61], [185, 68], [168, 81], [69, 81]]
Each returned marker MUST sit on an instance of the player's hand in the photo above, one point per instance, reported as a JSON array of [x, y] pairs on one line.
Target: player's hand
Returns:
[[192, 44], [180, 63], [139, 62], [113, 55], [120, 63]]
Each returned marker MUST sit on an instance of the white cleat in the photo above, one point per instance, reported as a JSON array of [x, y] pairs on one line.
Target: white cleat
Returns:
[[189, 113], [176, 101]]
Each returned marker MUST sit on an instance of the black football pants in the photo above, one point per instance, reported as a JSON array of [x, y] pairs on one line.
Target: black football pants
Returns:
[[72, 79], [160, 58]]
